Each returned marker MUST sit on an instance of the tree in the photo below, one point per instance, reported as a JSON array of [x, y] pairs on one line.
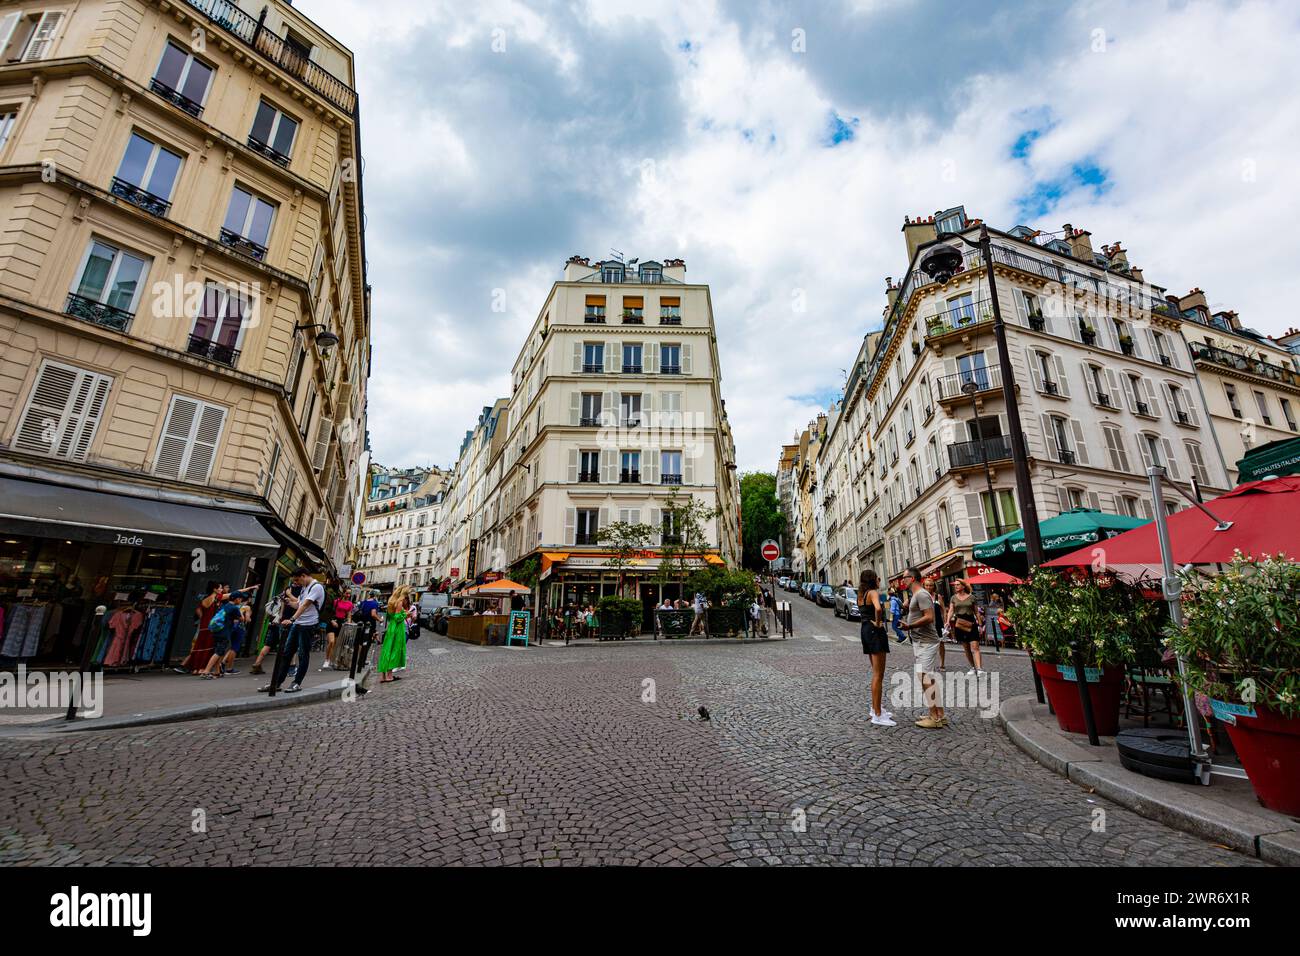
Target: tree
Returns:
[[685, 520], [623, 540], [527, 572], [760, 516]]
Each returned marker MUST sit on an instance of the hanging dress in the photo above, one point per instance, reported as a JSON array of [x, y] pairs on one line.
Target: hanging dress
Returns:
[[393, 654]]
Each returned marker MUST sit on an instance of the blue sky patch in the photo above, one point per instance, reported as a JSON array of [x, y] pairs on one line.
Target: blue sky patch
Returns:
[[840, 130], [1084, 176]]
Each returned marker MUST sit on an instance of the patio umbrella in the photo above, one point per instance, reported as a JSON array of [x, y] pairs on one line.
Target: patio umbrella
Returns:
[[982, 574], [500, 588], [1263, 517], [1065, 532]]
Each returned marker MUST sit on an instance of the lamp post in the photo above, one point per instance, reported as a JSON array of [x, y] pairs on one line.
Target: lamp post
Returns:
[[970, 388], [325, 339], [941, 263]]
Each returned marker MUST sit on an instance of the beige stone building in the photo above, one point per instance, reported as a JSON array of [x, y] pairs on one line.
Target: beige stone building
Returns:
[[184, 315]]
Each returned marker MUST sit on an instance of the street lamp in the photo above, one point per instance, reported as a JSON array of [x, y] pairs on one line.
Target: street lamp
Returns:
[[941, 263], [970, 388], [325, 339]]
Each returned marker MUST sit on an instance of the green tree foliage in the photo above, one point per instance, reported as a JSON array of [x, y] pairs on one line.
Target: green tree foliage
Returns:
[[622, 540], [760, 515], [679, 552]]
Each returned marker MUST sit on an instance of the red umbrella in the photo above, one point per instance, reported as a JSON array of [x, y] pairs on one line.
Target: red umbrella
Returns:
[[983, 574], [1263, 518]]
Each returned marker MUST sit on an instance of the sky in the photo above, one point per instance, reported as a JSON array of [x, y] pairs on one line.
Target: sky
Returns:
[[776, 148]]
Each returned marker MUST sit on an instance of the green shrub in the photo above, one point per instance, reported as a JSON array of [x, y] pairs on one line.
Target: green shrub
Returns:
[[1111, 620]]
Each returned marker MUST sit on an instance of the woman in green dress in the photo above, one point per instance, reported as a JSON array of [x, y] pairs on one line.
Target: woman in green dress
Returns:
[[393, 654]]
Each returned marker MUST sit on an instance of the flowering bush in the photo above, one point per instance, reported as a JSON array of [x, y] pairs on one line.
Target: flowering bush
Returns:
[[1110, 619], [1240, 640]]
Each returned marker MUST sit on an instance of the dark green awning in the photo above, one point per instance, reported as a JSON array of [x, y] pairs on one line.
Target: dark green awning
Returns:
[[1277, 458]]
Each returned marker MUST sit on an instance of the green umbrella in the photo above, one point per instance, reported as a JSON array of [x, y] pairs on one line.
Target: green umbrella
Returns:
[[1067, 532]]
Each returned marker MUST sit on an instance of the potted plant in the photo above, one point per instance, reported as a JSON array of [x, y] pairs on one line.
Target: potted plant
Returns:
[[1126, 344], [1240, 644], [934, 325], [1106, 618], [1036, 320]]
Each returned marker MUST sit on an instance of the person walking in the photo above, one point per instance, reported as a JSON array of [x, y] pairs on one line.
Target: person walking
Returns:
[[278, 628], [700, 607], [875, 643], [368, 619], [393, 654], [201, 649], [342, 612], [921, 628], [992, 620], [964, 623], [302, 630], [222, 626], [896, 613]]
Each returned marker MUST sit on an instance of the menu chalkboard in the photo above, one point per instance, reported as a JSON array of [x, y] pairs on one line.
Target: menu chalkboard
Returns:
[[520, 623]]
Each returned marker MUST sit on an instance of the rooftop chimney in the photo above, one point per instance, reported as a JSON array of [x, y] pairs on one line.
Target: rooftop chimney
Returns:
[[1080, 241], [917, 232], [1194, 299], [891, 292]]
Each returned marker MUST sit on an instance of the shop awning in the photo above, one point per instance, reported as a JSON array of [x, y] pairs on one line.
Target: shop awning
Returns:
[[714, 559], [552, 557], [1277, 458], [305, 549], [77, 514]]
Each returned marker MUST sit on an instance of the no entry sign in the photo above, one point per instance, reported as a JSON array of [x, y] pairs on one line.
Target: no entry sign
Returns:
[[770, 550]]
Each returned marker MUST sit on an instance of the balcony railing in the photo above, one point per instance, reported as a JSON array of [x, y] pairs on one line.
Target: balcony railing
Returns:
[[670, 370], [584, 537], [284, 55], [239, 243], [175, 97], [633, 319], [960, 318], [1243, 363], [1066, 457], [270, 152], [589, 422], [213, 351], [632, 477], [629, 369], [670, 479], [593, 369], [594, 318], [970, 453], [670, 320], [1105, 401], [589, 477], [155, 205], [952, 387], [97, 313]]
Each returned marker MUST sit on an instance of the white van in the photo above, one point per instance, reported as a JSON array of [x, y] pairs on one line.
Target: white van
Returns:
[[430, 601]]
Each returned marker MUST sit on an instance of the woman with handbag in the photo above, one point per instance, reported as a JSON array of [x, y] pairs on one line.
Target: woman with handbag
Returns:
[[393, 654], [964, 623], [875, 643]]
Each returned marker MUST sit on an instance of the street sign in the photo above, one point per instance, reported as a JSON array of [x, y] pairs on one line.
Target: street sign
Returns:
[[770, 550], [455, 572], [359, 578]]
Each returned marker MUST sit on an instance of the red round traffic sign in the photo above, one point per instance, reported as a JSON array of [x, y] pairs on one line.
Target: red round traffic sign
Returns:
[[771, 551]]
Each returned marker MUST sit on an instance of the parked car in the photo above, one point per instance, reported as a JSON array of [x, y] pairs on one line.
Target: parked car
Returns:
[[808, 591], [791, 584], [783, 582], [824, 595], [430, 601], [846, 603], [439, 621]]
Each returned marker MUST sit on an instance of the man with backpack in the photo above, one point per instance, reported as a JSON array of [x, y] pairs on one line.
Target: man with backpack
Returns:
[[226, 623]]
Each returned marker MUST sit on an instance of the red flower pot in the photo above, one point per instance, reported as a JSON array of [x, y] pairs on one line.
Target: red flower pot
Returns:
[[1064, 696], [1269, 747]]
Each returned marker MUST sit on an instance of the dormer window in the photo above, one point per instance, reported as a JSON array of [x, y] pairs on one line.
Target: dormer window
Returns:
[[612, 271], [951, 220], [651, 272]]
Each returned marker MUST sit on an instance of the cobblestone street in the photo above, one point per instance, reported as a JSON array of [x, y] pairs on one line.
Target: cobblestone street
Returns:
[[550, 755]]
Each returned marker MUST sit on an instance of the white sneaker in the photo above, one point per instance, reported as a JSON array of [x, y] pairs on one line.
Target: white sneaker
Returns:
[[293, 688], [972, 672], [884, 720], [327, 666]]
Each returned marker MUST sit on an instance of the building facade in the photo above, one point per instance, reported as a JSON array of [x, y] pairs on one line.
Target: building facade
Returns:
[[184, 314], [1105, 386]]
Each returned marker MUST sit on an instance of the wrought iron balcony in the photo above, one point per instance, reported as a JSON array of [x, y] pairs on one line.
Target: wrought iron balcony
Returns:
[[951, 388], [631, 369], [1051, 388], [968, 454], [240, 244], [1243, 363], [633, 319], [585, 537], [960, 318], [1066, 457], [1105, 401], [213, 351], [670, 320], [175, 97], [1143, 409], [589, 477], [594, 318], [97, 313], [670, 479], [670, 370], [632, 477], [136, 196], [270, 152], [253, 32], [589, 422]]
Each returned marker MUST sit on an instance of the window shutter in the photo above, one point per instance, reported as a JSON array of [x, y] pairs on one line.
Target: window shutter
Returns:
[[1152, 401], [577, 356], [975, 519], [688, 466], [652, 357], [609, 409], [1049, 438], [1116, 387], [43, 37], [1080, 445], [657, 522], [647, 409], [1088, 382], [63, 411], [1145, 449], [318, 528], [1035, 369], [1062, 380], [686, 358], [1171, 464], [1115, 445], [634, 515], [650, 466], [1169, 401], [320, 453], [174, 445], [613, 358], [573, 465], [1062, 499], [1150, 344], [575, 407], [203, 449], [7, 24], [608, 465], [603, 521], [1094, 500], [1146, 508], [1022, 313]]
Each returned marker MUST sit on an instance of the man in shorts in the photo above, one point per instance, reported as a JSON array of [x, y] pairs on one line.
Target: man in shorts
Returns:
[[920, 627]]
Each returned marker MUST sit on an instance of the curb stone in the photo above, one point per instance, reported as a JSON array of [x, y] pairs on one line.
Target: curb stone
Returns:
[[1266, 836]]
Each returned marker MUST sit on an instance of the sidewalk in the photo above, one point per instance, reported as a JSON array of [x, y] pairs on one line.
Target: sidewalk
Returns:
[[163, 696], [1226, 812]]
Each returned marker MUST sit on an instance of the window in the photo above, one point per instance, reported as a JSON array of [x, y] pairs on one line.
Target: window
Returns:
[[632, 358], [593, 357], [1006, 514], [248, 223], [634, 309], [28, 37], [1060, 431], [670, 359], [63, 411], [273, 133], [7, 121], [595, 309], [629, 408], [1097, 386], [108, 288], [670, 410], [971, 368], [588, 526], [1162, 353], [611, 272], [670, 307], [961, 310], [1231, 391], [1075, 497], [189, 440], [1197, 461], [219, 324], [630, 467], [149, 169], [670, 467], [589, 466], [670, 528], [590, 409], [182, 78], [1045, 370], [1287, 413], [1261, 402], [1128, 505]]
